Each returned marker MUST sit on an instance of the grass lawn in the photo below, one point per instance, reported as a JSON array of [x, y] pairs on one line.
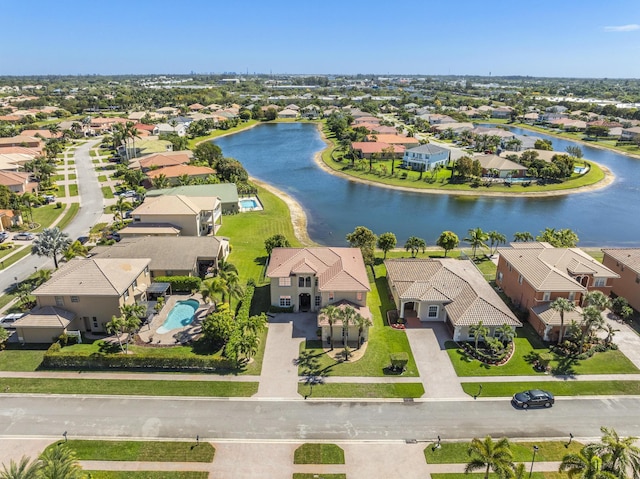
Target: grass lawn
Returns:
[[456, 452], [527, 345], [20, 358], [71, 162], [217, 133], [107, 192], [362, 390], [143, 451], [45, 215], [56, 178], [131, 387], [102, 178], [69, 214], [479, 475], [318, 454], [248, 231], [61, 191], [20, 253], [72, 176], [149, 474], [73, 190], [558, 388]]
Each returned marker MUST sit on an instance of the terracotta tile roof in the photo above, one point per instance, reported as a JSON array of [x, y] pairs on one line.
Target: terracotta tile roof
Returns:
[[93, 277], [369, 147], [170, 158], [547, 268], [196, 107], [43, 133], [144, 127], [395, 139], [179, 170], [466, 295], [337, 269], [8, 178], [630, 257]]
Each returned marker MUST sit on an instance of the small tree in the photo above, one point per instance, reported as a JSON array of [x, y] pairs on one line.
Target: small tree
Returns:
[[386, 242], [562, 305], [276, 241], [478, 330], [477, 239], [415, 244], [448, 240], [51, 243], [490, 456]]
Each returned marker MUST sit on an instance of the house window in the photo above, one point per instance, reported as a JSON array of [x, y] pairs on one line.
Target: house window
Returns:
[[600, 282], [359, 295], [75, 299], [331, 296], [300, 282], [499, 275], [146, 271], [316, 282], [135, 283], [285, 301], [572, 296], [284, 281], [546, 296], [433, 312], [95, 322], [318, 299], [520, 279], [509, 265], [307, 281], [126, 295], [169, 272], [59, 301]]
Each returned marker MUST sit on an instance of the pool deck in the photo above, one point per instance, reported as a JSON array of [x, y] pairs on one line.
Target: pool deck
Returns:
[[149, 333], [254, 198]]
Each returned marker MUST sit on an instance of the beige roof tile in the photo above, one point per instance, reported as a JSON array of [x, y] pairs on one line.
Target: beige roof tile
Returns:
[[630, 257], [46, 317]]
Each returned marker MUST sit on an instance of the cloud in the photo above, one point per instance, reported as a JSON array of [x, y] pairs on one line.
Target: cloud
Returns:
[[623, 28]]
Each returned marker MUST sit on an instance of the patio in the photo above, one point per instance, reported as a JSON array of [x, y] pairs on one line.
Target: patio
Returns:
[[149, 333]]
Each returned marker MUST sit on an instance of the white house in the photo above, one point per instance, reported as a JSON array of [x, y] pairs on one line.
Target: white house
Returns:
[[166, 128], [425, 157]]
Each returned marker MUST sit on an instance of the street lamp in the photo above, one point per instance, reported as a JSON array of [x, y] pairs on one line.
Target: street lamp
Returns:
[[535, 449], [479, 392], [64, 434], [436, 445], [570, 439]]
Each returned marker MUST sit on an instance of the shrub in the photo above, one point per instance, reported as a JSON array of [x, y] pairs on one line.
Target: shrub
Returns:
[[399, 361], [280, 309], [58, 204], [245, 302], [182, 284]]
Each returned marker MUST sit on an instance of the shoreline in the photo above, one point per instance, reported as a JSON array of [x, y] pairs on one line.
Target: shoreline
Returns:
[[605, 182]]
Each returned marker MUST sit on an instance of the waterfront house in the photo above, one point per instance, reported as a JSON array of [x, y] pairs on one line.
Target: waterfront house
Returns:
[[534, 274], [492, 165], [161, 160], [425, 157], [446, 290], [288, 113], [630, 134], [227, 194], [165, 128], [625, 262], [406, 141], [366, 149], [174, 172]]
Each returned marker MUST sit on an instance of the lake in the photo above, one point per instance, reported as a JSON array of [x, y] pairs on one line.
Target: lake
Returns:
[[282, 154]]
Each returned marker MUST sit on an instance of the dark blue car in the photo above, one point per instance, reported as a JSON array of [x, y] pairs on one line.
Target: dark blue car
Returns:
[[533, 398]]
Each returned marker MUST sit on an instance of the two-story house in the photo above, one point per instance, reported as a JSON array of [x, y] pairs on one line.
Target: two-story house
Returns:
[[534, 274], [625, 262], [425, 157], [308, 279], [83, 295], [449, 291]]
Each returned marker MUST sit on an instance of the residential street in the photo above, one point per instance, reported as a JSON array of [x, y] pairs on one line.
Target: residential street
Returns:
[[254, 419], [91, 207]]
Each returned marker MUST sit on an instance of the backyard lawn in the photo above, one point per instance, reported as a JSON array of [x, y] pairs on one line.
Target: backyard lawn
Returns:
[[527, 346]]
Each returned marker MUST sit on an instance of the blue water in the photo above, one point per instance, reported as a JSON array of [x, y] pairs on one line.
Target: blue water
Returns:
[[282, 154], [248, 203], [180, 315]]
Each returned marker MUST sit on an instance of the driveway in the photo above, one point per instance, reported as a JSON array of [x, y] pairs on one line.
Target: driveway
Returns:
[[436, 371]]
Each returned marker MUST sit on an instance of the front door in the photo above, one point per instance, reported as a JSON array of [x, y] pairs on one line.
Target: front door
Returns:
[[87, 323], [305, 302]]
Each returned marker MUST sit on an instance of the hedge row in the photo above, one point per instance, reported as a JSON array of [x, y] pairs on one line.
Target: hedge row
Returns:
[[180, 284], [245, 304], [56, 358]]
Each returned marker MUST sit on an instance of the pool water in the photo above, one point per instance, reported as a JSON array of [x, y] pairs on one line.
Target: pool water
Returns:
[[180, 316], [248, 203]]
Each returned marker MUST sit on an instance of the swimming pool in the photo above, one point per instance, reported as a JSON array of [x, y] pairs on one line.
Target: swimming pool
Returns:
[[248, 204], [581, 169], [180, 315]]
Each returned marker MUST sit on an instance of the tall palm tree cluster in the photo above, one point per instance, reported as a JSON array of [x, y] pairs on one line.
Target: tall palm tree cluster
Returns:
[[614, 457], [56, 462], [223, 287], [347, 316], [121, 134]]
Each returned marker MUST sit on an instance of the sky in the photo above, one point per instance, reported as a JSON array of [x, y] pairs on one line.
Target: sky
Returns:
[[552, 38]]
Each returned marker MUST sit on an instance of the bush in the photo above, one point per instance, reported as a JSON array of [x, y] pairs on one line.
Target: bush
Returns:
[[245, 302], [399, 361], [181, 284], [58, 204], [279, 309]]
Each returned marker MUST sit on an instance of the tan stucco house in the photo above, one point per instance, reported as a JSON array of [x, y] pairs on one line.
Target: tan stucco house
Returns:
[[625, 262], [83, 295], [447, 290]]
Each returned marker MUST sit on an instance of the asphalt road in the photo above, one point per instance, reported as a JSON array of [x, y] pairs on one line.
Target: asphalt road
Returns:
[[252, 419], [91, 207]]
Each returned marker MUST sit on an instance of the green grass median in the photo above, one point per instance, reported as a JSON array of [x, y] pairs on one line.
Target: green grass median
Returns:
[[557, 388]]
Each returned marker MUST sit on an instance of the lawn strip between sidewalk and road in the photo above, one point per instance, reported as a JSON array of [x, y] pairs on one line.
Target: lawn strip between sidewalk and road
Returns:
[[557, 388], [148, 474], [362, 390], [115, 387]]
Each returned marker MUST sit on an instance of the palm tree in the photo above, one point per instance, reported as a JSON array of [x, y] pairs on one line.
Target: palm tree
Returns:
[[620, 454], [361, 322], [347, 315], [562, 305], [51, 243], [414, 244], [592, 321], [21, 470], [489, 455], [184, 180], [523, 236], [477, 239], [132, 315], [597, 299], [116, 327], [496, 238], [585, 465], [75, 249], [235, 290], [213, 288], [160, 182], [132, 133], [478, 330], [225, 268], [506, 333], [121, 206], [332, 313], [60, 462], [28, 199]]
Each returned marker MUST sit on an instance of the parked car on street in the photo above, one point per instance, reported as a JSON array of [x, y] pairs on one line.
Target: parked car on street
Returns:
[[24, 236], [533, 398], [3, 236], [7, 321]]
